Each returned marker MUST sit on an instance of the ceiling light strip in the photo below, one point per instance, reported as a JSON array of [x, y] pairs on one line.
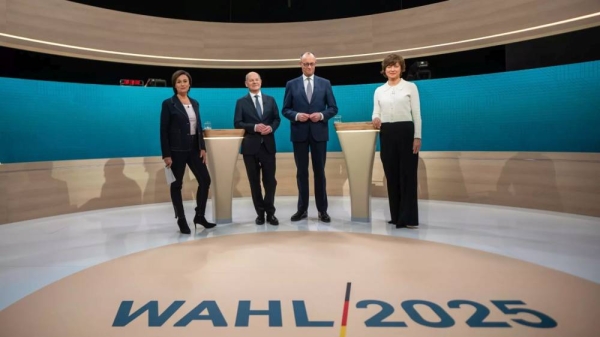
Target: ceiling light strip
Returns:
[[295, 59]]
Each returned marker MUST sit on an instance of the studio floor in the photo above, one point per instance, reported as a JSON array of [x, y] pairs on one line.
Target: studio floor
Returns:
[[468, 270]]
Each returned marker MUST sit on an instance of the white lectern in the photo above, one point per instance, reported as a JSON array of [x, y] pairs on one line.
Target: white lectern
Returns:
[[222, 148], [358, 145]]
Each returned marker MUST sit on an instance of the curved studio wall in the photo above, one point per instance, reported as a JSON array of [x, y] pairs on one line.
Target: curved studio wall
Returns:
[[71, 29], [554, 109], [520, 139], [524, 138]]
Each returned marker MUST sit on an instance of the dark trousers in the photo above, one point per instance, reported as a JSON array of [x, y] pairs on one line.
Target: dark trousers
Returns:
[[200, 171], [318, 152], [265, 162], [400, 167]]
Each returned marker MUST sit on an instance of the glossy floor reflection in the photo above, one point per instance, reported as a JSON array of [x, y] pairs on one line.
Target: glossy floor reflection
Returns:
[[39, 252]]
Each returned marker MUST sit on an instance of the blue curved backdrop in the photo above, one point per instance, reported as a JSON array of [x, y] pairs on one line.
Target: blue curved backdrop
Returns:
[[547, 109]]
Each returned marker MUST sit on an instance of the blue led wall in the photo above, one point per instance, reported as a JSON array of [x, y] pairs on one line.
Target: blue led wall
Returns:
[[555, 109]]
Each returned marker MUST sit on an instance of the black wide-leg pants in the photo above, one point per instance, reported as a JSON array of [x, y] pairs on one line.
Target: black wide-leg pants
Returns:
[[400, 166]]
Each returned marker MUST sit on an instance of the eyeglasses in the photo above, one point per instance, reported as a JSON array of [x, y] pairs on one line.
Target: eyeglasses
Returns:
[[308, 64]]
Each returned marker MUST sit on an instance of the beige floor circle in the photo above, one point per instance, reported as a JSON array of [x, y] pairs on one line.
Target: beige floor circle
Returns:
[[295, 284]]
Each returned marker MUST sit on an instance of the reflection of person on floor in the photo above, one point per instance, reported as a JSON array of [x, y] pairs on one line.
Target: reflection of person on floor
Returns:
[[258, 114], [182, 143], [397, 112]]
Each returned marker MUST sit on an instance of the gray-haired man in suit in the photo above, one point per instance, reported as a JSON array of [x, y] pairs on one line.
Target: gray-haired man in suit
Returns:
[[258, 114], [309, 104]]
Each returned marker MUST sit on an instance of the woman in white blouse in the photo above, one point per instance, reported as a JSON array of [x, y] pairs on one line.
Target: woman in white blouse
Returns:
[[397, 113], [182, 144]]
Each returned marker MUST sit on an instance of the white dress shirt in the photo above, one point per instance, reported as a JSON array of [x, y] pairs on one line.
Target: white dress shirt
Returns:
[[398, 103], [262, 108], [260, 101], [305, 81]]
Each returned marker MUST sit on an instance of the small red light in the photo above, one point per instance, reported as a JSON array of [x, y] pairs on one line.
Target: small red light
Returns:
[[131, 82]]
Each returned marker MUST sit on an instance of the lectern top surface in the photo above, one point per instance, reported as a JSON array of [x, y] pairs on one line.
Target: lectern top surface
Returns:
[[224, 133], [354, 126]]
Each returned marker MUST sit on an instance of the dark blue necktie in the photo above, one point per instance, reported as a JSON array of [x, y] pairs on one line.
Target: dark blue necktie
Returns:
[[258, 108]]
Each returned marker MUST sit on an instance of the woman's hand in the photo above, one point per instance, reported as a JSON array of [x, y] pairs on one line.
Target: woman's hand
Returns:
[[168, 161], [203, 156], [377, 123], [416, 145]]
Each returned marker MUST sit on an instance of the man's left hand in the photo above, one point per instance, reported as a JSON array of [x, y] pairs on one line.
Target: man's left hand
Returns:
[[267, 129], [315, 117]]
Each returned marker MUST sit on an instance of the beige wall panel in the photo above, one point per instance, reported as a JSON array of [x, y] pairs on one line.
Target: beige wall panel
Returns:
[[548, 181], [342, 41], [3, 199], [3, 15], [562, 182]]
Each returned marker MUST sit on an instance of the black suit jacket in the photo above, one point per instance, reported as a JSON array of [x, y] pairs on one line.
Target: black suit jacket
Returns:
[[175, 126], [246, 117]]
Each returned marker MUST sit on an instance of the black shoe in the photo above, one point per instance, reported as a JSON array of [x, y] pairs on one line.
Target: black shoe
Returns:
[[201, 220], [183, 226], [392, 222], [260, 220], [400, 224], [323, 216], [272, 220], [299, 216]]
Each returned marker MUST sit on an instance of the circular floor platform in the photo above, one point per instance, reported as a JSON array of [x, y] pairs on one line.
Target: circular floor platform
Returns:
[[467, 271]]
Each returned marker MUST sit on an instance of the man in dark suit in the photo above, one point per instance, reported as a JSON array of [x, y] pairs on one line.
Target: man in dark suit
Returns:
[[258, 114], [309, 104]]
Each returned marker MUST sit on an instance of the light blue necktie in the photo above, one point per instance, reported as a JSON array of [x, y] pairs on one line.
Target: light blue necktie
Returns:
[[258, 108]]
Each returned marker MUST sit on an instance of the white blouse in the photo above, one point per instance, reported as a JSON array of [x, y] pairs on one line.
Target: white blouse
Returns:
[[398, 103], [192, 116]]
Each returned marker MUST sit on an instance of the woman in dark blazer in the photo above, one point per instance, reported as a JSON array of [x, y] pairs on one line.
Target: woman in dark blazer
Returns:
[[182, 143]]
